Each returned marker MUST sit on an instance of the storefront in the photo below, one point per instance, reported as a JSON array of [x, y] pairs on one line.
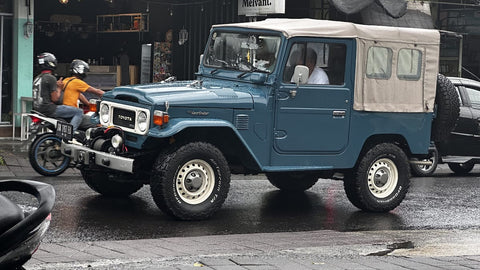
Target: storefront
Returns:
[[16, 52], [110, 34], [116, 36]]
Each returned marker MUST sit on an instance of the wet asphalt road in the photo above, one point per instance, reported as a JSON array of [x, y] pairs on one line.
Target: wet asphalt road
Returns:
[[444, 201]]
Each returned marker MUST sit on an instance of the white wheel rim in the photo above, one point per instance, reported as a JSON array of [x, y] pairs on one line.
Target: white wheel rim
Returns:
[[382, 178], [195, 181]]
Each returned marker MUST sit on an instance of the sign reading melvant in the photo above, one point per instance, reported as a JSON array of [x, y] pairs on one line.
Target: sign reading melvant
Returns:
[[258, 7]]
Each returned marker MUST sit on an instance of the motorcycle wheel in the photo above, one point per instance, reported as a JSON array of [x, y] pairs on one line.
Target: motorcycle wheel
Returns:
[[45, 156]]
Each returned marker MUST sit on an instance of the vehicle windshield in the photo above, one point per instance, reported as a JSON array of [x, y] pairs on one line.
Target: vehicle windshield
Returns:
[[243, 52]]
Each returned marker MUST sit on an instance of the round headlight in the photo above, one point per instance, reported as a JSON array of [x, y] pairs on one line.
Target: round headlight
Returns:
[[104, 113], [142, 121], [117, 141]]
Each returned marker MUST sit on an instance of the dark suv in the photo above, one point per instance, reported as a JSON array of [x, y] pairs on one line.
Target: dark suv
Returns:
[[461, 150]]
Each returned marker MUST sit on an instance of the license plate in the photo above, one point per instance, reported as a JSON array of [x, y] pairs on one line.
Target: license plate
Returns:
[[64, 130]]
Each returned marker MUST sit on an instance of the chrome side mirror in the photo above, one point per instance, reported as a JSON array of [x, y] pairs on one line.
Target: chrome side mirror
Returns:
[[300, 75]]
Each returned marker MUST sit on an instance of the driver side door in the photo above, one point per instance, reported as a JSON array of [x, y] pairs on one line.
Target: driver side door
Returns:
[[315, 118]]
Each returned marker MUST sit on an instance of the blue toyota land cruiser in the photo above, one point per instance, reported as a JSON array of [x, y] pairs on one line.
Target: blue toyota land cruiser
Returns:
[[296, 99]]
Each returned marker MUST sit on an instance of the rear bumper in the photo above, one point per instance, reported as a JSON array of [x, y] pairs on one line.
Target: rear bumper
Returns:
[[85, 156]]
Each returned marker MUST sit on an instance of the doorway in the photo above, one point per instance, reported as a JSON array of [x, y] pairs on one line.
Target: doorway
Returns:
[[6, 101]]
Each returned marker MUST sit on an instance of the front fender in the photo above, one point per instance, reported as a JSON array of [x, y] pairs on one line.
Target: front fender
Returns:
[[177, 125]]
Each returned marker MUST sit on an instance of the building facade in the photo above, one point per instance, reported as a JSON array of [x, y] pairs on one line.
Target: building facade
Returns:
[[173, 32]]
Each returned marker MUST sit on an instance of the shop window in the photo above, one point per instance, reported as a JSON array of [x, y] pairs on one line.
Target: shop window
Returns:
[[409, 66], [379, 63]]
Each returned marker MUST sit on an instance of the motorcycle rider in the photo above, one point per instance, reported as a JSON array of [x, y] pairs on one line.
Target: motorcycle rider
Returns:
[[75, 86], [47, 92]]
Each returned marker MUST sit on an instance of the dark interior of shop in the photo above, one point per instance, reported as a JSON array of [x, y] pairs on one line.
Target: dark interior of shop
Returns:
[[70, 30], [81, 28]]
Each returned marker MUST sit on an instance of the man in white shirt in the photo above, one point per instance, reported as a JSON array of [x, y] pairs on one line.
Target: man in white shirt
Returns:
[[317, 74]]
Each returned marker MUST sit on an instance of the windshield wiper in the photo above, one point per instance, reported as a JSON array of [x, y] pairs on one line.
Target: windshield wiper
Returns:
[[252, 69], [242, 74]]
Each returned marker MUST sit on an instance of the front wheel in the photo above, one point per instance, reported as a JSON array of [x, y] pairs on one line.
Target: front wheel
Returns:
[[45, 156], [381, 179], [461, 168], [191, 182]]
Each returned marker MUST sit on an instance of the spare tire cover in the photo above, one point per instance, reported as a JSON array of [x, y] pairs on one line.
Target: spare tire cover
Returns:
[[447, 109], [351, 6], [394, 8]]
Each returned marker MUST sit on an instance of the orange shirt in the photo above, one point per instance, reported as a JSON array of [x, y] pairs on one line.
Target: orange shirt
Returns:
[[73, 90]]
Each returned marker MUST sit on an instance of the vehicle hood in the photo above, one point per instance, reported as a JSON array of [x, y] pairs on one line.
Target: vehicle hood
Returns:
[[181, 94]]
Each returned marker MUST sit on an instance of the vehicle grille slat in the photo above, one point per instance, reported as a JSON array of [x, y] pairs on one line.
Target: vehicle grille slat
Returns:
[[241, 121]]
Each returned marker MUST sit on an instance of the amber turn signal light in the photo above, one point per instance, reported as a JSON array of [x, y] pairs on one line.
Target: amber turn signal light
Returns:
[[160, 118], [92, 107]]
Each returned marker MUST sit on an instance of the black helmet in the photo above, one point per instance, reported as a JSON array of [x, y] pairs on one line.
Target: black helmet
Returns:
[[47, 61], [79, 68]]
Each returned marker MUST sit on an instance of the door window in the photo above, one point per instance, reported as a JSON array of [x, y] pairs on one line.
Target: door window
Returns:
[[325, 61]]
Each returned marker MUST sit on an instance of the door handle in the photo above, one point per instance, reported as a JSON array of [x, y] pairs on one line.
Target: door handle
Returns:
[[293, 93], [339, 113]]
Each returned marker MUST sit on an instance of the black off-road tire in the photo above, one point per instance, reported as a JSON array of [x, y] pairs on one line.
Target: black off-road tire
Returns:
[[45, 156], [111, 184], [294, 181], [461, 168], [190, 182], [447, 109], [426, 170], [381, 179]]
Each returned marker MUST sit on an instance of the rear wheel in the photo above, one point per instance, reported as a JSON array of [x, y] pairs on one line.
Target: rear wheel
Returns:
[[45, 156], [381, 179], [461, 168], [292, 181], [111, 184], [191, 182]]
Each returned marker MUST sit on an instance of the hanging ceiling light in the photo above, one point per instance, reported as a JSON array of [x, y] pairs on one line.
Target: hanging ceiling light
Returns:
[[63, 1]]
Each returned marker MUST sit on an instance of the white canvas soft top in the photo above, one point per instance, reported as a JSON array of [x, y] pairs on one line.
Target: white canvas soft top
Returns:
[[324, 28], [383, 95]]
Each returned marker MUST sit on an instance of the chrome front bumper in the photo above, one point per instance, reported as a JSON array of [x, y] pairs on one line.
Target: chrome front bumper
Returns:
[[86, 156]]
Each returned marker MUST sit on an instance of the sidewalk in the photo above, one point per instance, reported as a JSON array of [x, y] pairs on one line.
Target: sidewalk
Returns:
[[437, 249], [290, 250], [14, 154]]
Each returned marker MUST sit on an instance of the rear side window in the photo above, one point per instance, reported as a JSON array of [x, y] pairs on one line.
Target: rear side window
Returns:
[[474, 95], [379, 63], [409, 66]]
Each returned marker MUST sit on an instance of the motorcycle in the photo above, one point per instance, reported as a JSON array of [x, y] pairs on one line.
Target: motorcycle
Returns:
[[44, 152], [23, 227]]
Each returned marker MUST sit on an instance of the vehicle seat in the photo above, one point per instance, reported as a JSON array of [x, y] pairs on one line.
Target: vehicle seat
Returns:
[[10, 214], [58, 118]]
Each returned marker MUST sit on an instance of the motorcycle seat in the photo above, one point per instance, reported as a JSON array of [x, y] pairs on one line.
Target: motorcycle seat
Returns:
[[57, 118], [10, 214]]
